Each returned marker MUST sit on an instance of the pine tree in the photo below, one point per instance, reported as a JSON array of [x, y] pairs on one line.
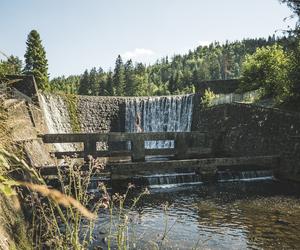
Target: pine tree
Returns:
[[84, 84], [109, 84], [101, 82], [93, 85], [119, 77], [35, 60], [129, 79]]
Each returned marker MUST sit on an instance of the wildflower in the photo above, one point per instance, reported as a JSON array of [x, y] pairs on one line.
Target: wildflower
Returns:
[[131, 185], [105, 201], [101, 186], [146, 191]]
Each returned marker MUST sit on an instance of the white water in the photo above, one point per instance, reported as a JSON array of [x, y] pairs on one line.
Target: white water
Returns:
[[57, 118], [159, 114]]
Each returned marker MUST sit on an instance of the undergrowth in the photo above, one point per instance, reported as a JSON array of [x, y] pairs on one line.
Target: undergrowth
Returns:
[[62, 218]]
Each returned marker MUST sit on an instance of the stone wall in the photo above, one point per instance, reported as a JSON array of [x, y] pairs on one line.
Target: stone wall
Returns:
[[241, 129], [101, 114]]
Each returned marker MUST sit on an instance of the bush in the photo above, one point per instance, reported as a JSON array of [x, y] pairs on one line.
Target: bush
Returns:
[[268, 68], [207, 98]]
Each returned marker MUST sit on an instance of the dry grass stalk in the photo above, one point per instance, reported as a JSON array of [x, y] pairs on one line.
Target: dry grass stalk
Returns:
[[60, 198]]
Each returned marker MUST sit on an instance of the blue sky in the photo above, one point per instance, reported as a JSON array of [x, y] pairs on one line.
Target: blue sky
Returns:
[[81, 34]]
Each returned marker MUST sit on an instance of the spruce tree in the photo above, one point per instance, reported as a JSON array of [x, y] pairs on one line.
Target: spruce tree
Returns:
[[84, 83], [102, 82], [119, 77], [109, 84], [35, 60], [129, 79]]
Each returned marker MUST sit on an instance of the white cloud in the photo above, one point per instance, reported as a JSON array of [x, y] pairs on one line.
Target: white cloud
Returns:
[[138, 53], [203, 43]]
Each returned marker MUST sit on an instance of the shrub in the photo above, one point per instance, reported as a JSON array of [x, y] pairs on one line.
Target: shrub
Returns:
[[267, 68], [207, 98]]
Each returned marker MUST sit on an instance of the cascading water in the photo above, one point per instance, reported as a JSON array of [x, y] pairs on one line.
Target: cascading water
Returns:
[[173, 180], [159, 114], [224, 176], [57, 118]]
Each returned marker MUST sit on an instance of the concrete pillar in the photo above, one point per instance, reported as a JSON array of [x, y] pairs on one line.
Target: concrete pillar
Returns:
[[181, 146], [138, 149], [90, 148]]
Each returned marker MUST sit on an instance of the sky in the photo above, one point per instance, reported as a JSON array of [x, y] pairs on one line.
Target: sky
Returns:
[[79, 35]]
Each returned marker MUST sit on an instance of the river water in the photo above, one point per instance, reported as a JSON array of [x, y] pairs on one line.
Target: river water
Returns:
[[261, 214]]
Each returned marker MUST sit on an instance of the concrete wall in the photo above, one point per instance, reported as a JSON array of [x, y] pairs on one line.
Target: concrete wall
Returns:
[[101, 114], [240, 129], [218, 86]]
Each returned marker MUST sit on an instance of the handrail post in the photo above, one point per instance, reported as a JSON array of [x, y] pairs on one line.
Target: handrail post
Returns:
[[90, 147], [138, 149], [180, 146]]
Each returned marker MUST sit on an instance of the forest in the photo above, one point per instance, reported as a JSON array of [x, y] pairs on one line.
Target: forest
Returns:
[[269, 63], [175, 75]]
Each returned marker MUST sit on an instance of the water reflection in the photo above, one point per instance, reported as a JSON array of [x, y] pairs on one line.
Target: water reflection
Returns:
[[233, 215]]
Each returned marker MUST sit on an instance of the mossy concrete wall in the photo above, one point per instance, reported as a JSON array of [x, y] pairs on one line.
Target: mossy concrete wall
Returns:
[[247, 130]]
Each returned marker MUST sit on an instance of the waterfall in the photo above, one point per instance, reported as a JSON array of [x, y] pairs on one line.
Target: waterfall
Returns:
[[57, 118], [159, 114]]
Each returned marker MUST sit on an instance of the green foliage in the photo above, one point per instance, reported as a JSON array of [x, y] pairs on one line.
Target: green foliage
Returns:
[[68, 85], [177, 75], [207, 98], [35, 60], [11, 66], [295, 7], [7, 186], [119, 77], [268, 69], [130, 79]]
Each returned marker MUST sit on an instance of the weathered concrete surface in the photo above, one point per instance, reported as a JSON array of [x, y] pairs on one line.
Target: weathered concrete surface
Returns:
[[186, 143], [240, 129], [25, 121], [101, 114], [201, 166], [218, 86]]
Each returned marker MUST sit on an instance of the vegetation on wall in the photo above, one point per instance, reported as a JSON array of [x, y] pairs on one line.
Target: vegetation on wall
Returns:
[[207, 98], [71, 101]]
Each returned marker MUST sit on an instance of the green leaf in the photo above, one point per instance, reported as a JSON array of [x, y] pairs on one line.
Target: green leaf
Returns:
[[7, 190]]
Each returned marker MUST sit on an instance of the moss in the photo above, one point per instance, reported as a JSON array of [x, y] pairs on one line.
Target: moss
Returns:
[[71, 101]]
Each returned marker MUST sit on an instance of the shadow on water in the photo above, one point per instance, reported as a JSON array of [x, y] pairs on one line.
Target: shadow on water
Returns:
[[224, 215]]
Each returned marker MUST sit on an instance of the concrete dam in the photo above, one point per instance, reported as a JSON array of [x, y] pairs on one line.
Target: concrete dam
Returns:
[[153, 132]]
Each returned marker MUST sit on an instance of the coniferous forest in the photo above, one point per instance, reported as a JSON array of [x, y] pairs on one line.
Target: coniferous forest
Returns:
[[269, 63], [169, 75]]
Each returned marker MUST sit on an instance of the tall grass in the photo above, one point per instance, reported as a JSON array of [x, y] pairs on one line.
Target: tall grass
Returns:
[[65, 218]]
